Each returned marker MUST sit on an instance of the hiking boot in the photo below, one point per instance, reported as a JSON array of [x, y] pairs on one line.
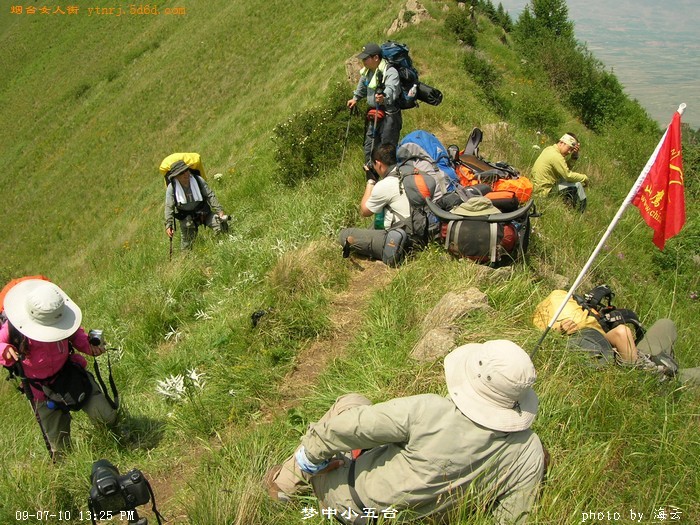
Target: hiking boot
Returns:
[[346, 248], [643, 363], [273, 490]]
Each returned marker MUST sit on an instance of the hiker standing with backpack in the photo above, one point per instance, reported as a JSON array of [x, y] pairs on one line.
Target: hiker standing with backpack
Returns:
[[36, 344], [380, 83], [552, 172], [189, 199]]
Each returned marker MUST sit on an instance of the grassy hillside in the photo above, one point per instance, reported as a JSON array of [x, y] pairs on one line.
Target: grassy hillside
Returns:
[[91, 104]]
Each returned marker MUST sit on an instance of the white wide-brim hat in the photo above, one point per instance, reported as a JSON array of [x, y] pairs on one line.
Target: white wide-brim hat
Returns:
[[491, 384], [41, 311]]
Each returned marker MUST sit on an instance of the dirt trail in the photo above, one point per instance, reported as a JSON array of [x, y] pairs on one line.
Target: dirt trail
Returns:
[[347, 310]]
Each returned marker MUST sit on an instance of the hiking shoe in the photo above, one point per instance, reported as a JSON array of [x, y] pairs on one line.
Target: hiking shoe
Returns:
[[272, 489], [642, 363]]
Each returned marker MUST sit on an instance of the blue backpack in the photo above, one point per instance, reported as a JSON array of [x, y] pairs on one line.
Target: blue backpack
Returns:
[[397, 56], [422, 151]]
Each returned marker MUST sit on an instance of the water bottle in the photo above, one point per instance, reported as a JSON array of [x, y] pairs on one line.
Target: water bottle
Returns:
[[413, 91], [379, 220]]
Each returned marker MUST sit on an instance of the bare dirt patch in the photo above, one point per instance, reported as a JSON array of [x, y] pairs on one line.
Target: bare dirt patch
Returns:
[[346, 317]]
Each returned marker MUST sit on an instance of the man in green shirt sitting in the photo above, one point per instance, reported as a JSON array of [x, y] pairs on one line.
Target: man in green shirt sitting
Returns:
[[552, 172]]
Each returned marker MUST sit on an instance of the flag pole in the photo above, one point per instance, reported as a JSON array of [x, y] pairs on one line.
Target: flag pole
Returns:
[[608, 232]]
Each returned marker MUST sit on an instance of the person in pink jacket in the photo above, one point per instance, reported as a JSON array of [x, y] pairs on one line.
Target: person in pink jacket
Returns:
[[37, 343]]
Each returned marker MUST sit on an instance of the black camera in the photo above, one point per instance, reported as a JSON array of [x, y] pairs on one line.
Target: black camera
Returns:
[[370, 172], [111, 492]]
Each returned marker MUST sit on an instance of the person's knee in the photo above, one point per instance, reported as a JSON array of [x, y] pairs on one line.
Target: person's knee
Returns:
[[666, 327], [350, 400], [345, 236], [100, 411], [622, 339]]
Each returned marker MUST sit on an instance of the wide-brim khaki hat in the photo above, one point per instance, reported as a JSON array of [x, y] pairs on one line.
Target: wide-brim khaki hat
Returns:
[[475, 207], [41, 311], [491, 384]]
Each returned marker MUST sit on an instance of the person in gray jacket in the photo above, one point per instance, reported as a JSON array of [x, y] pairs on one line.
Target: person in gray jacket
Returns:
[[423, 455], [190, 200], [380, 83]]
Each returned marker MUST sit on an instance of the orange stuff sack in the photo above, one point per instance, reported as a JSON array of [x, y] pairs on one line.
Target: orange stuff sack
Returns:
[[13, 282], [521, 187]]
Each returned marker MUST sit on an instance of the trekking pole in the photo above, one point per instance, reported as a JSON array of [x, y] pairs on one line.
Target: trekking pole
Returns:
[[347, 132], [27, 390], [170, 258]]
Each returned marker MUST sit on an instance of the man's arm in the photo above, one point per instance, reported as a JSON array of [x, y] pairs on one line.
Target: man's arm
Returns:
[[360, 92], [169, 207], [361, 427], [572, 176], [525, 480], [364, 210], [211, 197], [392, 86], [563, 172]]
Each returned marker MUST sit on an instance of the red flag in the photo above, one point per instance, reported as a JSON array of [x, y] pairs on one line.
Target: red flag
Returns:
[[660, 199]]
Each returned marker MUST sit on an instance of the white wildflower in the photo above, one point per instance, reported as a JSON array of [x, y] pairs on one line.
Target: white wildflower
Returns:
[[196, 378], [169, 298], [201, 315], [172, 387], [174, 334]]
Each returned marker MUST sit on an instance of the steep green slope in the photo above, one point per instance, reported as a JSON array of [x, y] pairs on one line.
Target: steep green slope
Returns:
[[91, 104]]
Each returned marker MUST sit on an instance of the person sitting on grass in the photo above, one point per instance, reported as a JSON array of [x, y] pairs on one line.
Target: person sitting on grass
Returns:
[[615, 341], [421, 455], [551, 172], [382, 196]]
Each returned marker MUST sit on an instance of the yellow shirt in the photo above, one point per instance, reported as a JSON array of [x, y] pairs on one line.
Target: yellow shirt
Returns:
[[572, 311], [550, 168]]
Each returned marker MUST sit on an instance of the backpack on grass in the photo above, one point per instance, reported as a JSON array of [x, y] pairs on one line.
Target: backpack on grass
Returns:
[[193, 161], [422, 152], [473, 169], [495, 239], [598, 302], [421, 226]]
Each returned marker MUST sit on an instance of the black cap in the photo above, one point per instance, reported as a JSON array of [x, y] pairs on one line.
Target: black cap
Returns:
[[369, 50]]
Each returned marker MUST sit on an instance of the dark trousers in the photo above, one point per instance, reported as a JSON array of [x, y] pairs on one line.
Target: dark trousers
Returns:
[[365, 242], [386, 131]]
